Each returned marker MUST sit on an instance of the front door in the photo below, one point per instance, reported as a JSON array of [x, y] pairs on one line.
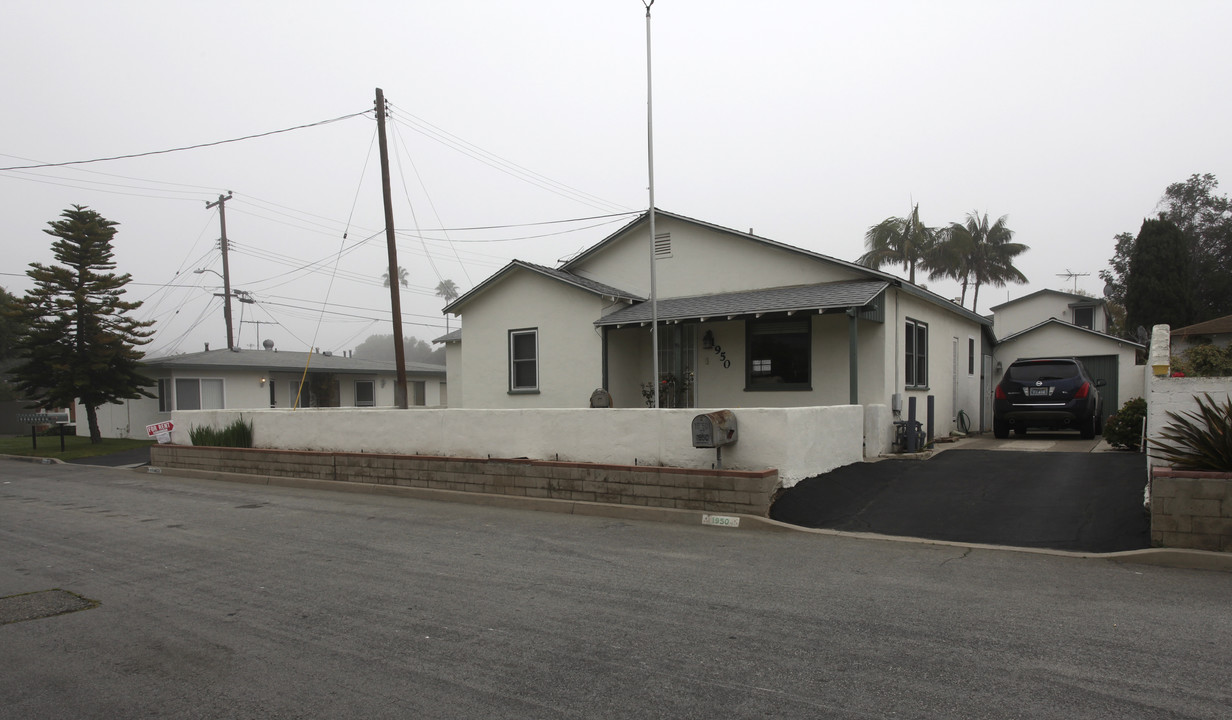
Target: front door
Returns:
[[677, 362]]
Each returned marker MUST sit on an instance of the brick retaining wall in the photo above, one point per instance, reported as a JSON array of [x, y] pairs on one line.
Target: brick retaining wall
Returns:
[[1191, 509], [719, 491]]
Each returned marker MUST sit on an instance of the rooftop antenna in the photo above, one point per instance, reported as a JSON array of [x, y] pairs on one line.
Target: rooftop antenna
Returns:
[[1069, 275]]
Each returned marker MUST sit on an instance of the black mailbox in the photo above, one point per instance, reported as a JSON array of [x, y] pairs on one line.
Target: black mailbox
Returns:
[[714, 429]]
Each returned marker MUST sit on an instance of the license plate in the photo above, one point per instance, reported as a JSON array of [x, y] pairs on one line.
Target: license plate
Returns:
[[1038, 391]]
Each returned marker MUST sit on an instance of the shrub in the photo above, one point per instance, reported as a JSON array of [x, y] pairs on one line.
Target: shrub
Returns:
[[237, 434], [1200, 440], [1204, 361], [1124, 429]]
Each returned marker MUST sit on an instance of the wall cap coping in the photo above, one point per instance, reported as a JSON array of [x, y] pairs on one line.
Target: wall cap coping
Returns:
[[1166, 472]]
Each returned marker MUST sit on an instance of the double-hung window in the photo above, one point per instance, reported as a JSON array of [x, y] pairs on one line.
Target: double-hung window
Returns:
[[524, 360], [164, 395], [779, 354], [916, 341]]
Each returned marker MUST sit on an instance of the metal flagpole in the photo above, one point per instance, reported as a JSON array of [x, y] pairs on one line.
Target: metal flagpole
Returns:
[[654, 301]]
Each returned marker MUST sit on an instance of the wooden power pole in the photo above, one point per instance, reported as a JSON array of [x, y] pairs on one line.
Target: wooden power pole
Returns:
[[395, 299], [226, 268]]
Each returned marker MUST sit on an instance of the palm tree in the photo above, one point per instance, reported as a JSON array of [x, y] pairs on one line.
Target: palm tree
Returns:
[[988, 251], [899, 240], [447, 289], [404, 277]]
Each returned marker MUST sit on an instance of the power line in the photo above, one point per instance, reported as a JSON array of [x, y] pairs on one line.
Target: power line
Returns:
[[186, 147]]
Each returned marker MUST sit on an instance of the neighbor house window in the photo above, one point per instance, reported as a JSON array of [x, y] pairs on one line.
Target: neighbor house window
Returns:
[[198, 394], [524, 360], [164, 395], [779, 354], [917, 354], [365, 393], [970, 356]]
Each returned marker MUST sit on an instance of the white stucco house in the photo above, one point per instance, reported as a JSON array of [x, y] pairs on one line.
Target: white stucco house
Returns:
[[250, 379], [744, 322], [1027, 311]]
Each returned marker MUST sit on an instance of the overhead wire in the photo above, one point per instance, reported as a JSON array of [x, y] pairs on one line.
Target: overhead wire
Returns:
[[497, 162], [185, 147]]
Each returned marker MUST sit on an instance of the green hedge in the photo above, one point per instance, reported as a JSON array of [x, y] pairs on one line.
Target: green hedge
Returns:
[[237, 434]]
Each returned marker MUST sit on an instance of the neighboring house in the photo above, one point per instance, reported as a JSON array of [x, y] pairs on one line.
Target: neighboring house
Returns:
[[1106, 358], [743, 322], [1216, 332], [226, 379], [1027, 311]]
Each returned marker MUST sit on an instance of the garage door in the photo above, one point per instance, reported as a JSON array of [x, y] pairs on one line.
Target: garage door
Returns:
[[1106, 368]]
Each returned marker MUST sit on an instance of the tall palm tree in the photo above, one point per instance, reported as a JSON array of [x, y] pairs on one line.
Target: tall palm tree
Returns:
[[899, 240], [404, 277], [447, 289], [989, 252]]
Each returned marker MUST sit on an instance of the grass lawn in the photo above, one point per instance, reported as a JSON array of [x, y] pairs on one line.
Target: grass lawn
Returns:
[[74, 447]]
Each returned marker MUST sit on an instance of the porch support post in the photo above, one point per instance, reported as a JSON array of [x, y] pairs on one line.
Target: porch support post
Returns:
[[853, 356]]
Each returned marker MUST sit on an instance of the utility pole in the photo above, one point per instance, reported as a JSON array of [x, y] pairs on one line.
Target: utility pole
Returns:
[[226, 269], [654, 290], [395, 300]]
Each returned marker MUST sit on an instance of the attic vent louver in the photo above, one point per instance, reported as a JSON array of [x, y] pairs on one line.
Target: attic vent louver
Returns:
[[662, 246]]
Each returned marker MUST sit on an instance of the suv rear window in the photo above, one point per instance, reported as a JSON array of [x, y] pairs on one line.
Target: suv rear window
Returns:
[[1030, 372]]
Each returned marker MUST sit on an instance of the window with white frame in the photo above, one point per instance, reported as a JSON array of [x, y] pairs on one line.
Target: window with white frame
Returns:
[[365, 393], [524, 360], [198, 394], [916, 342], [164, 395]]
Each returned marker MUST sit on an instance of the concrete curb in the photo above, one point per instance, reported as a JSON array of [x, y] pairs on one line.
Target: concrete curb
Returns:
[[1163, 557], [34, 459]]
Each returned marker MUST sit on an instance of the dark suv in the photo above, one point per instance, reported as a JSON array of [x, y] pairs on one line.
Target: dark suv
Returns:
[[1055, 393]]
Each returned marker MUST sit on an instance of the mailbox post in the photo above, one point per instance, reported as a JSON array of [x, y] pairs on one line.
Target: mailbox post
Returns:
[[714, 430]]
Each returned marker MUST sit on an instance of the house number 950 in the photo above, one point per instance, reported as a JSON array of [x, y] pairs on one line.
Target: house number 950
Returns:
[[718, 350]]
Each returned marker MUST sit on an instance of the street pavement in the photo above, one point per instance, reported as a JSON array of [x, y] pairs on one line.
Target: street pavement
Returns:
[[232, 600]]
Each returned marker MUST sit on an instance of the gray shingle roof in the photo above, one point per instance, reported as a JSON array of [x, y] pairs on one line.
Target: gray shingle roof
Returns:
[[784, 299], [566, 277], [271, 360]]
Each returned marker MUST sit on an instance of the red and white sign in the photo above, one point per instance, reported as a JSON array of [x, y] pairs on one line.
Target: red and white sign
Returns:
[[161, 430]]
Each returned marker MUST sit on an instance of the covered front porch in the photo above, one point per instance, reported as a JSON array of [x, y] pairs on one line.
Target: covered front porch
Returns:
[[810, 345]]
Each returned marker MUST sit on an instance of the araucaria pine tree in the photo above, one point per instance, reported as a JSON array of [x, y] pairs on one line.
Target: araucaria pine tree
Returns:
[[80, 343]]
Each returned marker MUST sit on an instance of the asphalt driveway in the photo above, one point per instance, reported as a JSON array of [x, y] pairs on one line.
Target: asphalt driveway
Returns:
[[1081, 501]]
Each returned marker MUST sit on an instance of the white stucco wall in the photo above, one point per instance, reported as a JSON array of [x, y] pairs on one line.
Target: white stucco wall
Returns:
[[945, 381], [1058, 341], [1029, 311], [1180, 395], [798, 442], [703, 262], [570, 347]]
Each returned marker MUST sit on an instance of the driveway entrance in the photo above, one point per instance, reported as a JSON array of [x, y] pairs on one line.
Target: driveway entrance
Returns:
[[1036, 495]]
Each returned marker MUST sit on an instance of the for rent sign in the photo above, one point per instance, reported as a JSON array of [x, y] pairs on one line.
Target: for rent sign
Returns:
[[161, 431]]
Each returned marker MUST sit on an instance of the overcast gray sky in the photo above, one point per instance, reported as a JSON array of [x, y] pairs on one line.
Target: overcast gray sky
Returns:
[[805, 121]]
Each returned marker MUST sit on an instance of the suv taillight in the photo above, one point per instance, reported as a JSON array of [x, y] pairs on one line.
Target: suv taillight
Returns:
[[1082, 391], [1000, 393]]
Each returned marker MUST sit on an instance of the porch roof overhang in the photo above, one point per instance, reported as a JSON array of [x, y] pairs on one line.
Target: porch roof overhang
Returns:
[[729, 306]]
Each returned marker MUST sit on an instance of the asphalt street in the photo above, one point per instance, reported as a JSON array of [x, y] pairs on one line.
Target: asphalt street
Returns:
[[229, 600], [1089, 502]]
